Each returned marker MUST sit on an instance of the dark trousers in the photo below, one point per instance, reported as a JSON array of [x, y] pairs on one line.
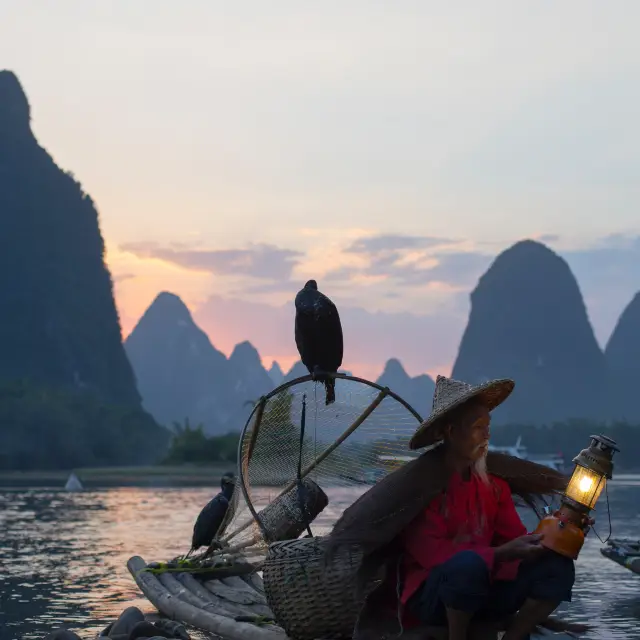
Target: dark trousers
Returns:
[[463, 583]]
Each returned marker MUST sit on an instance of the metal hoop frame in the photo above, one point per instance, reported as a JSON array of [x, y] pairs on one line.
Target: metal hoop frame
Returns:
[[292, 383]]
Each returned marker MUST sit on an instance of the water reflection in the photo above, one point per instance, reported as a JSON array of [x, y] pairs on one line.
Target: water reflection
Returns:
[[63, 556]]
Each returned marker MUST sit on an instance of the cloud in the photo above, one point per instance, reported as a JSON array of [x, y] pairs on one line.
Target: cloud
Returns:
[[374, 245], [341, 274], [263, 261], [383, 261], [417, 312], [122, 277], [617, 241], [277, 286], [412, 261], [548, 238], [421, 342], [608, 273], [386, 277], [607, 270], [458, 269]]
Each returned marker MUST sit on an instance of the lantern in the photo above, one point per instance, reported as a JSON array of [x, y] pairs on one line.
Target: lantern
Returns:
[[564, 530]]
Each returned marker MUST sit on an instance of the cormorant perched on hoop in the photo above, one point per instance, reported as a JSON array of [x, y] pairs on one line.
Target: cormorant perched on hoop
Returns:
[[318, 336], [213, 514]]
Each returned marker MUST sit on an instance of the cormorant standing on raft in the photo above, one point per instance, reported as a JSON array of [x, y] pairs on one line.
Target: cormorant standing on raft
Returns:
[[213, 514], [318, 335]]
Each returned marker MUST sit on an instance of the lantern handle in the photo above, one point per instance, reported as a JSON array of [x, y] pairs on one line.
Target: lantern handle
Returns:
[[607, 442], [606, 491]]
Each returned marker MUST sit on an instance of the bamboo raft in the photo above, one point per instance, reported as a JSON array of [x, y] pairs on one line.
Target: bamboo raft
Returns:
[[235, 607], [232, 607], [624, 552]]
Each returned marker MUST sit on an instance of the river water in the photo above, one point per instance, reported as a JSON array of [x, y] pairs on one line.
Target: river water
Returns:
[[63, 556]]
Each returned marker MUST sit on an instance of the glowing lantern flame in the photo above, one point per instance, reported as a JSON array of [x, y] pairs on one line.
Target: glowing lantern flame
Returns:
[[585, 484], [565, 529]]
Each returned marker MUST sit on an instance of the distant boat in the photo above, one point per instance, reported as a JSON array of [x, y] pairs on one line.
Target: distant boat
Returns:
[[73, 483], [390, 463], [553, 461]]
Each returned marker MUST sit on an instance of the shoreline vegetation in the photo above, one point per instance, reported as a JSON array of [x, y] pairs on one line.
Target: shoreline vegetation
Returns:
[[155, 476], [111, 477], [194, 459], [51, 433]]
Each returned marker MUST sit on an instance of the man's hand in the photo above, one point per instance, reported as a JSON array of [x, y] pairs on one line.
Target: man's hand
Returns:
[[520, 548]]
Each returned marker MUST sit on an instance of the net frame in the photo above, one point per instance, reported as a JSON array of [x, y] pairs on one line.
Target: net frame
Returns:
[[258, 411]]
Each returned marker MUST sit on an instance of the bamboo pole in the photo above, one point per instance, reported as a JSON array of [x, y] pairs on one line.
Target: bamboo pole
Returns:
[[216, 605], [236, 582], [240, 598], [176, 609], [255, 581], [254, 434], [327, 452]]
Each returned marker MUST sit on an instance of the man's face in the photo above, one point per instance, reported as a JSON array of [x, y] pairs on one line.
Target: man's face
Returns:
[[469, 437]]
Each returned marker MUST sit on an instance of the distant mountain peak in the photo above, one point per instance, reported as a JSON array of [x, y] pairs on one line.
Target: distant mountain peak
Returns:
[[275, 367], [251, 378], [180, 373], [528, 321], [530, 245], [298, 370], [622, 355], [246, 353], [44, 338], [15, 113], [276, 374], [394, 368], [168, 306], [625, 333], [417, 391], [166, 319], [168, 300]]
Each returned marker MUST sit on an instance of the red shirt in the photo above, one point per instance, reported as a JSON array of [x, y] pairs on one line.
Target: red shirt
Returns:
[[470, 515]]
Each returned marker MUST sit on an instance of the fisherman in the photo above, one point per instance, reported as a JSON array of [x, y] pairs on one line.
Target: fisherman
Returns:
[[446, 528]]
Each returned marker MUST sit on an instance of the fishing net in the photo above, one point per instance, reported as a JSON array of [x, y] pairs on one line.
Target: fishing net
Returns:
[[342, 449]]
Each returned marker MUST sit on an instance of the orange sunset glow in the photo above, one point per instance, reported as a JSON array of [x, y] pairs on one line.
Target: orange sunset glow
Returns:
[[228, 171]]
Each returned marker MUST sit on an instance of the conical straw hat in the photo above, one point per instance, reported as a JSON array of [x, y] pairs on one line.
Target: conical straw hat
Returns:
[[448, 395]]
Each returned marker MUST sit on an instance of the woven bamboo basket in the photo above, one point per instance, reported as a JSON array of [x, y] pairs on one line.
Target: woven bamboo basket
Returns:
[[286, 517], [309, 596]]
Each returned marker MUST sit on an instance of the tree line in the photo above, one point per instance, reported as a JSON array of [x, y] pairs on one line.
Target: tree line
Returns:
[[45, 428], [49, 428]]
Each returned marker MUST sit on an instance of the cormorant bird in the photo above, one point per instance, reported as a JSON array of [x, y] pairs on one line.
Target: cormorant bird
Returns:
[[213, 514], [318, 335]]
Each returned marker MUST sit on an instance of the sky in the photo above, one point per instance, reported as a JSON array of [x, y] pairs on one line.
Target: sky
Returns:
[[389, 150]]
